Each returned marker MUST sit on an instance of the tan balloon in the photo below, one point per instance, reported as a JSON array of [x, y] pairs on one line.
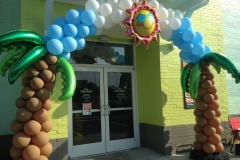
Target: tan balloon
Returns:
[[209, 148], [198, 129], [49, 86], [23, 115], [20, 102], [51, 59], [214, 139], [36, 83], [43, 94], [46, 76], [27, 93], [219, 147], [46, 150], [201, 121], [201, 137], [34, 104], [21, 140], [41, 157], [47, 104], [212, 89], [41, 115], [209, 130], [16, 152], [210, 76], [31, 152], [17, 126], [53, 68], [206, 83], [32, 127], [218, 112], [209, 113], [197, 145], [41, 65], [197, 112], [47, 126], [208, 97], [219, 130], [41, 139], [202, 77], [215, 122], [53, 78], [32, 72], [202, 106], [215, 96], [214, 105], [201, 91]]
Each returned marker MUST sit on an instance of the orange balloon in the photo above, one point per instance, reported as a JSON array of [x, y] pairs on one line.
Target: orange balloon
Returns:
[[47, 104], [210, 76], [17, 126], [201, 137], [41, 139], [212, 89], [219, 147], [214, 139], [208, 97], [201, 121], [46, 150], [197, 145], [21, 140], [213, 105], [215, 122], [215, 96], [198, 129], [47, 126], [209, 130], [219, 130], [218, 112], [209, 113], [209, 148], [16, 152], [41, 115], [32, 127], [31, 152], [42, 158]]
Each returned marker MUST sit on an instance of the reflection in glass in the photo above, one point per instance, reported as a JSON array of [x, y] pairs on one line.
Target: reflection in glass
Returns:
[[86, 128], [120, 96], [87, 90], [101, 53]]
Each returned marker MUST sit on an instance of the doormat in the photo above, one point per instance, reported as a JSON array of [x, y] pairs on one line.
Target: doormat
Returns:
[[201, 155]]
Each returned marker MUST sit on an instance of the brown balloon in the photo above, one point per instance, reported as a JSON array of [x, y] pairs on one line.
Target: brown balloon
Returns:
[[43, 94], [214, 105], [47, 126], [20, 159], [210, 76], [208, 97], [219, 148], [212, 89], [201, 137], [201, 91], [209, 130], [201, 121], [199, 98], [51, 59], [198, 129], [204, 64], [209, 148], [36, 83], [53, 68], [197, 145], [20, 102], [41, 139], [16, 153], [202, 106], [206, 83], [41, 65], [41, 115], [49, 86], [215, 122], [23, 115], [21, 140], [34, 104], [32, 72], [209, 113], [213, 81], [197, 112], [205, 70], [53, 78], [46, 150], [215, 96], [32, 127], [41, 157], [47, 104], [46, 75], [218, 112], [214, 139], [219, 130], [26, 81], [31, 152], [17, 126], [202, 77], [27, 93]]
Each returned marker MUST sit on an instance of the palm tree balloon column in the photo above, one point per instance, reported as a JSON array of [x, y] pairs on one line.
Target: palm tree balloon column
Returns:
[[27, 52]]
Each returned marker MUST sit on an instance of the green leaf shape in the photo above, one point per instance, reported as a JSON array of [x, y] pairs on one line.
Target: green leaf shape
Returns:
[[184, 78], [194, 80], [216, 67], [20, 36], [11, 58], [24, 62], [69, 78], [224, 63]]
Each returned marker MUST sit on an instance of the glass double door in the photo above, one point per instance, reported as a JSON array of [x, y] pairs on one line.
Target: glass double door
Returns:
[[102, 112]]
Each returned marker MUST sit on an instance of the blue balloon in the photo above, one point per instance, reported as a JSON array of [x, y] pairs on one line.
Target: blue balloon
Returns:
[[88, 17], [83, 30], [198, 38], [69, 44], [55, 46], [65, 55], [81, 43], [92, 30], [195, 58], [185, 55], [176, 34], [46, 38], [198, 49], [178, 42], [186, 47], [60, 21], [70, 30], [208, 49], [73, 16], [55, 32], [188, 35], [80, 10], [185, 23]]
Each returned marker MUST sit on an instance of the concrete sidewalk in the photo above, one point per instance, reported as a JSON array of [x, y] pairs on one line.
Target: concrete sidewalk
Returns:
[[144, 154]]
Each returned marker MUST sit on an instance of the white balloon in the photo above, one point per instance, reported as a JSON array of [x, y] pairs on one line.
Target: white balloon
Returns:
[[113, 3], [178, 14], [122, 25], [116, 15], [105, 9], [164, 25], [162, 13], [100, 2], [167, 34], [92, 5], [154, 3], [108, 23], [99, 31], [100, 21], [161, 5], [125, 4], [170, 14], [175, 23]]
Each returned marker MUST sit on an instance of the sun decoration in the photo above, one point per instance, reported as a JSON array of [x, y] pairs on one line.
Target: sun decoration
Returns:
[[142, 23]]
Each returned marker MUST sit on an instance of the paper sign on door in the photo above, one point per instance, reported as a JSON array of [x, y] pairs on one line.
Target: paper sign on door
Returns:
[[87, 108]]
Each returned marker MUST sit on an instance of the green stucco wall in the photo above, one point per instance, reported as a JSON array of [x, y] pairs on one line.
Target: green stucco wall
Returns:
[[158, 68], [231, 15], [9, 20]]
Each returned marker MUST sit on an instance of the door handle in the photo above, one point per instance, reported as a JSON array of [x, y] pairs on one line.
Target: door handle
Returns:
[[109, 109], [105, 109]]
